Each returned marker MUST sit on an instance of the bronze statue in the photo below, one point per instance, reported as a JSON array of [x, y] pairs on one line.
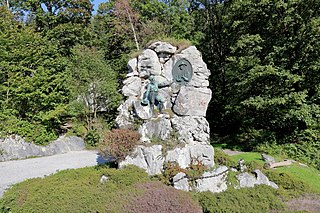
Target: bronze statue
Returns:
[[151, 95]]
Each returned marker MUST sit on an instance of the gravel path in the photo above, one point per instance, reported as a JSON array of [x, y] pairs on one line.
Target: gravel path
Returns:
[[12, 172]]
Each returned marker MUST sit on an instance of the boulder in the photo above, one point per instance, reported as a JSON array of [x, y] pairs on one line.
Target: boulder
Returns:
[[184, 156], [247, 180], [142, 112], [15, 147], [132, 87], [191, 128], [148, 158], [162, 47], [167, 70], [148, 63], [133, 67], [268, 159], [192, 101], [213, 181], [156, 128], [181, 182], [125, 118]]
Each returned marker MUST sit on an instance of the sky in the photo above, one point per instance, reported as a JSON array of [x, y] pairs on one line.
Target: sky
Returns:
[[96, 4]]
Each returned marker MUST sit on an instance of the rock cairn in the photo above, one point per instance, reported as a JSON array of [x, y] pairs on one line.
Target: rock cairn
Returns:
[[183, 122], [181, 133]]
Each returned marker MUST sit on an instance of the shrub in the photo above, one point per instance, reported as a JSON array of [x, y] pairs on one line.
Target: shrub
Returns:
[[158, 197], [76, 190], [259, 199], [289, 186], [119, 143], [222, 158]]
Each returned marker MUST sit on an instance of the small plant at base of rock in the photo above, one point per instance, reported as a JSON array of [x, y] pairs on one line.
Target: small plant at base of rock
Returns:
[[196, 169], [170, 169], [118, 143]]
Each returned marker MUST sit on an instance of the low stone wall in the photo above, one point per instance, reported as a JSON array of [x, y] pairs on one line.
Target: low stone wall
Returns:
[[15, 147]]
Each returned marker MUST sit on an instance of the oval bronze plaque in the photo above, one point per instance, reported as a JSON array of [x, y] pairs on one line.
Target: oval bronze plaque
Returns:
[[182, 72]]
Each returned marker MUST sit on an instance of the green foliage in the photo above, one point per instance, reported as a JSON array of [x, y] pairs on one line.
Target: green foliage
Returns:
[[258, 199], [119, 143], [33, 89], [290, 186], [221, 158], [77, 190], [95, 87]]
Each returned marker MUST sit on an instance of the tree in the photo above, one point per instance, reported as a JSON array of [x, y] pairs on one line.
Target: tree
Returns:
[[33, 92], [94, 84]]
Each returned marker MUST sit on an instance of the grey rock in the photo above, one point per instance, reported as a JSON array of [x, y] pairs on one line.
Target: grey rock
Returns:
[[125, 117], [15, 147], [148, 158], [191, 128], [167, 70], [159, 127], [132, 86], [142, 112], [262, 179], [246, 180], [163, 47], [181, 182], [194, 57], [148, 63], [213, 181], [268, 158], [184, 156], [192, 101], [103, 179], [133, 67]]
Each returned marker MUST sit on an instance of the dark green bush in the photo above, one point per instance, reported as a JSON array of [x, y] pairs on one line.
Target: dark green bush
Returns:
[[76, 190], [222, 158], [289, 186], [259, 199]]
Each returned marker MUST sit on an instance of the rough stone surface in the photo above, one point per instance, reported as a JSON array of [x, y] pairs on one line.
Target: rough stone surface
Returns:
[[159, 128], [191, 128], [142, 112], [132, 67], [181, 182], [268, 158], [192, 101], [125, 117], [15, 147], [148, 158], [148, 63], [201, 73], [247, 180], [183, 119], [185, 155], [163, 47], [213, 181], [132, 86]]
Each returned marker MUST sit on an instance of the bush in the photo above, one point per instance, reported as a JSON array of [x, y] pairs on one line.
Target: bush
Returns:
[[289, 186], [76, 190], [222, 158], [119, 143], [158, 197], [259, 199]]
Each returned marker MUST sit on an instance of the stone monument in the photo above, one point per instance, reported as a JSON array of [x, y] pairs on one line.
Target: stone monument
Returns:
[[183, 96], [167, 97]]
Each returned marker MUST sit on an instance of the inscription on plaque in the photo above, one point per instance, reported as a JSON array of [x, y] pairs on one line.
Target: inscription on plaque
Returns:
[[182, 72]]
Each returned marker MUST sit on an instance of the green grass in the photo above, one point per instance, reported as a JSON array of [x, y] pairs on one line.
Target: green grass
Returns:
[[308, 175]]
